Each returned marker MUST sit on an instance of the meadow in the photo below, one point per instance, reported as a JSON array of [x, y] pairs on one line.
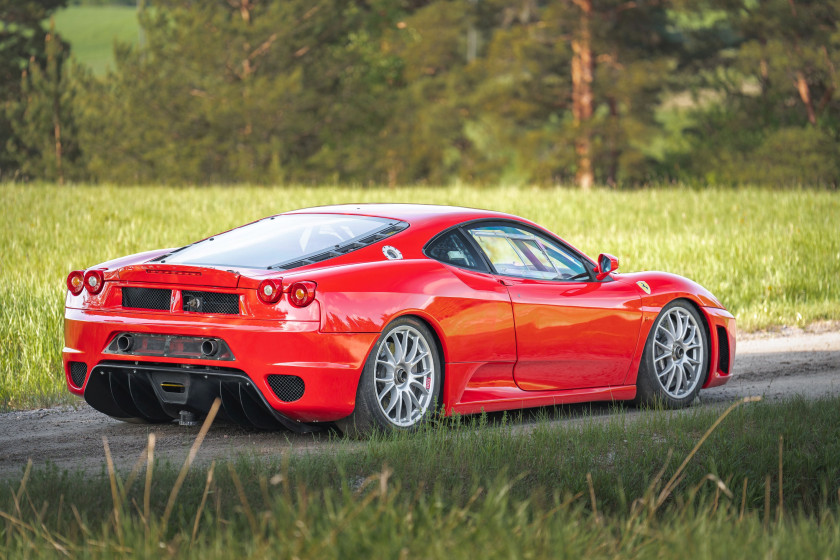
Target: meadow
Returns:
[[762, 482], [771, 257], [92, 30]]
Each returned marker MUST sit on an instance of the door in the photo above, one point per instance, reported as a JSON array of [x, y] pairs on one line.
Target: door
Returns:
[[572, 332]]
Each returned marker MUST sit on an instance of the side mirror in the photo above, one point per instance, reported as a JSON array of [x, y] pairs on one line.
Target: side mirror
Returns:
[[606, 264]]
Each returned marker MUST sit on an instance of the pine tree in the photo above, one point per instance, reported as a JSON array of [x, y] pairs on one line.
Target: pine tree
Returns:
[[22, 44], [42, 120]]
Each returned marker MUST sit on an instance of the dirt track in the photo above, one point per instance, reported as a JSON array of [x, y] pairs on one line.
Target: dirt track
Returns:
[[776, 366]]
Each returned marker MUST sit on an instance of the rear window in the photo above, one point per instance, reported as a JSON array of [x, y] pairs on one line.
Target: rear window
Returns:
[[286, 241]]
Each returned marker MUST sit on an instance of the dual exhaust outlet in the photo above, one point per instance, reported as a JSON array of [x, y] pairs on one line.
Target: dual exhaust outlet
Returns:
[[141, 344]]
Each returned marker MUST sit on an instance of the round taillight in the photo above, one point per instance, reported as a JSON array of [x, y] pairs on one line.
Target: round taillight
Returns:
[[76, 282], [269, 291], [94, 281], [302, 294]]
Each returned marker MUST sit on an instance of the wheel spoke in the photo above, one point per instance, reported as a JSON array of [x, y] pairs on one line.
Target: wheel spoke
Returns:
[[399, 406], [399, 349], [408, 406], [671, 377], [409, 355], [389, 367], [412, 398], [419, 358], [388, 388], [389, 356], [680, 378], [665, 347], [692, 331], [673, 328], [393, 401], [666, 370], [420, 385]]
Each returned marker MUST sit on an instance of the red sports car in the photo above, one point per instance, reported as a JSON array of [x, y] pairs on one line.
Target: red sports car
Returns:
[[371, 316]]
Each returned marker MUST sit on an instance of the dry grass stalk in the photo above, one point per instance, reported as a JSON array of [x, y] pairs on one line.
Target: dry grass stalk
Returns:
[[672, 483]]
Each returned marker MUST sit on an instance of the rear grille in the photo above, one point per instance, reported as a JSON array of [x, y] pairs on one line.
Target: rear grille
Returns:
[[288, 388], [78, 372], [146, 298], [211, 302]]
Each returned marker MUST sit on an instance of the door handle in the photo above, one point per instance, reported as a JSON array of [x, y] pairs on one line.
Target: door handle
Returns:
[[504, 282]]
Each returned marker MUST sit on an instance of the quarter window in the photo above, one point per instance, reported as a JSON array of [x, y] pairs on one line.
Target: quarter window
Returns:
[[519, 252], [452, 248]]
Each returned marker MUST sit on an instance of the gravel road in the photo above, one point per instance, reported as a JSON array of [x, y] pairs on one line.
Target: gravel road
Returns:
[[775, 365]]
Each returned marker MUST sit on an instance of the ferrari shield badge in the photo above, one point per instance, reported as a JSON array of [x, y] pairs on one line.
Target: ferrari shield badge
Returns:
[[644, 286]]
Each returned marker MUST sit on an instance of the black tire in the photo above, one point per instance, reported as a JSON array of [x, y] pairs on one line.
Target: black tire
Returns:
[[416, 386], [660, 384]]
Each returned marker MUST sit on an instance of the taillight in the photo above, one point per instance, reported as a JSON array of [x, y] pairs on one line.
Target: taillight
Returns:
[[94, 281], [76, 282], [269, 291], [302, 294]]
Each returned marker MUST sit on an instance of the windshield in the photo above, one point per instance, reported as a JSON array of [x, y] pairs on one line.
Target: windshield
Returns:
[[286, 241]]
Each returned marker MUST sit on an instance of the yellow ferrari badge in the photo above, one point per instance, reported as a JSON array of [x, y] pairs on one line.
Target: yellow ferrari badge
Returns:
[[644, 286]]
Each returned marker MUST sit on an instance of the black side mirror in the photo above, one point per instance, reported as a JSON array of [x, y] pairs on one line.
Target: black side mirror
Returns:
[[606, 264]]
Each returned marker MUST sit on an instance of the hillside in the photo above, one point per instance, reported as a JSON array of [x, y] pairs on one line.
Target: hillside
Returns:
[[91, 31]]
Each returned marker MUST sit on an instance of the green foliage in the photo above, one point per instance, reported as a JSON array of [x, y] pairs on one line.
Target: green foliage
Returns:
[[445, 91], [23, 42], [223, 94], [43, 127], [778, 119], [773, 258]]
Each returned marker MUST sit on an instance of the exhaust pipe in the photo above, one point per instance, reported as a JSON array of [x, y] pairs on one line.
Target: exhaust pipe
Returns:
[[125, 342], [209, 348]]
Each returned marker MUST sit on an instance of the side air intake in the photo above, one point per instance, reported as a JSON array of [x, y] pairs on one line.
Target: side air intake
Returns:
[[78, 373], [288, 388]]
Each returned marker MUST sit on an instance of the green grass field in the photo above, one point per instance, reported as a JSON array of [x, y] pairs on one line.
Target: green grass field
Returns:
[[772, 257], [764, 484], [91, 31]]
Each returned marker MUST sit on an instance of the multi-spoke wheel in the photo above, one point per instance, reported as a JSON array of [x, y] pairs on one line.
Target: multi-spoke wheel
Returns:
[[675, 357], [401, 381]]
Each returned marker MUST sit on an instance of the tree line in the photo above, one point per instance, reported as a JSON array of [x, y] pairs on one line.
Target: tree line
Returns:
[[616, 92]]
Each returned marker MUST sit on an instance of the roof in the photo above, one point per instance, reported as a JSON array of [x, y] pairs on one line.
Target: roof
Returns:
[[411, 213]]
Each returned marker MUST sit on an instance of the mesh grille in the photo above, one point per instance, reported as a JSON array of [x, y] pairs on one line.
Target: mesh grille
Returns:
[[288, 388], [78, 372], [211, 302], [723, 352], [146, 298]]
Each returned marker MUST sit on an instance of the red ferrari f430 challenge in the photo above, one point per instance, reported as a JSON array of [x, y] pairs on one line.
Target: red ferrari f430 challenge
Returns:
[[375, 316]]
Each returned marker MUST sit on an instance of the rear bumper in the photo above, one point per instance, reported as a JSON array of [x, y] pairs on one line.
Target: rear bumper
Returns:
[[329, 364], [722, 332]]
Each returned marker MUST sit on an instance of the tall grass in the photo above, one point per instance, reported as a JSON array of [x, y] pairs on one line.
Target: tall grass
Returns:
[[772, 257], [655, 486]]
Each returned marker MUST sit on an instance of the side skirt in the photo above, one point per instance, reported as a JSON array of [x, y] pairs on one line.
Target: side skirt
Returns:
[[506, 398]]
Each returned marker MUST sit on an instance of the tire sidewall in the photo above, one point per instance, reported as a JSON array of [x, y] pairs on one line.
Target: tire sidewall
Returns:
[[649, 389]]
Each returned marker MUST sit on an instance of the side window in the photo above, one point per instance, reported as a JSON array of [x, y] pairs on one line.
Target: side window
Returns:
[[453, 249], [519, 252]]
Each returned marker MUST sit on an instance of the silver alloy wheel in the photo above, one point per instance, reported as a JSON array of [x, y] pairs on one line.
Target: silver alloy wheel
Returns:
[[678, 352], [404, 376]]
